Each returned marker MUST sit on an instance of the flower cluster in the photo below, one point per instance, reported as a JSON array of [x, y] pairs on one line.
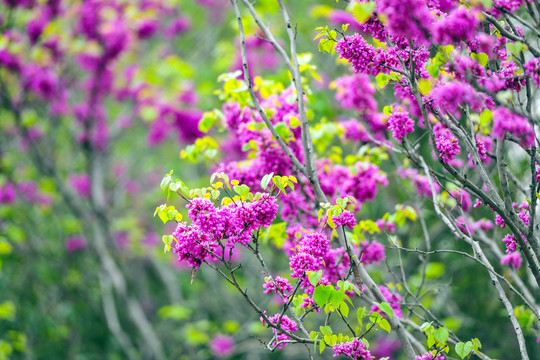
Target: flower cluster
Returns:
[[513, 259], [372, 252], [356, 92], [365, 58], [354, 349], [429, 356], [211, 227], [505, 121], [277, 285], [532, 68], [400, 124], [511, 244], [447, 145], [285, 323], [346, 218]]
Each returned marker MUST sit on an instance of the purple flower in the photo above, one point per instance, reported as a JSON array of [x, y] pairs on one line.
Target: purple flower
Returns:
[[511, 244], [8, 194], [354, 349], [459, 25], [506, 121], [177, 26], [222, 346], [446, 143], [429, 356], [372, 252], [532, 68], [81, 184], [514, 259], [285, 323], [401, 124], [147, 28], [75, 243], [356, 92], [392, 299], [346, 218], [276, 285]]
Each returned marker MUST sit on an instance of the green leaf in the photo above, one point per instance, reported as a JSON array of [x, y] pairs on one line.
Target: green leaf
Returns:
[[361, 11], [382, 80], [266, 180], [344, 309], [481, 58], [385, 325], [314, 277], [174, 312], [360, 313], [336, 297], [283, 131], [322, 345], [149, 113], [326, 330], [321, 294], [208, 120], [441, 335], [294, 122], [434, 270], [387, 309], [430, 340], [485, 118], [313, 335], [464, 349]]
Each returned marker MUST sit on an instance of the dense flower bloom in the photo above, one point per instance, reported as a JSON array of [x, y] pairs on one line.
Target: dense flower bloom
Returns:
[[303, 262], [354, 349], [499, 221], [222, 346], [346, 218], [8, 194], [356, 92], [484, 145], [429, 356], [355, 130], [363, 185], [408, 19], [506, 121], [447, 145], [532, 68], [75, 243], [285, 323], [81, 184], [450, 95], [459, 25], [316, 244], [372, 252], [276, 285], [365, 58], [508, 5], [265, 210], [513, 259], [401, 124], [511, 244]]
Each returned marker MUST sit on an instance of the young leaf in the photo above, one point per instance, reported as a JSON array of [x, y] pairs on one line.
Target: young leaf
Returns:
[[387, 309], [385, 325]]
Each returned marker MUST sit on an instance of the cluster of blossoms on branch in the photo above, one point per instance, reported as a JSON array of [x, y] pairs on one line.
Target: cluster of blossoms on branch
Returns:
[[452, 67]]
